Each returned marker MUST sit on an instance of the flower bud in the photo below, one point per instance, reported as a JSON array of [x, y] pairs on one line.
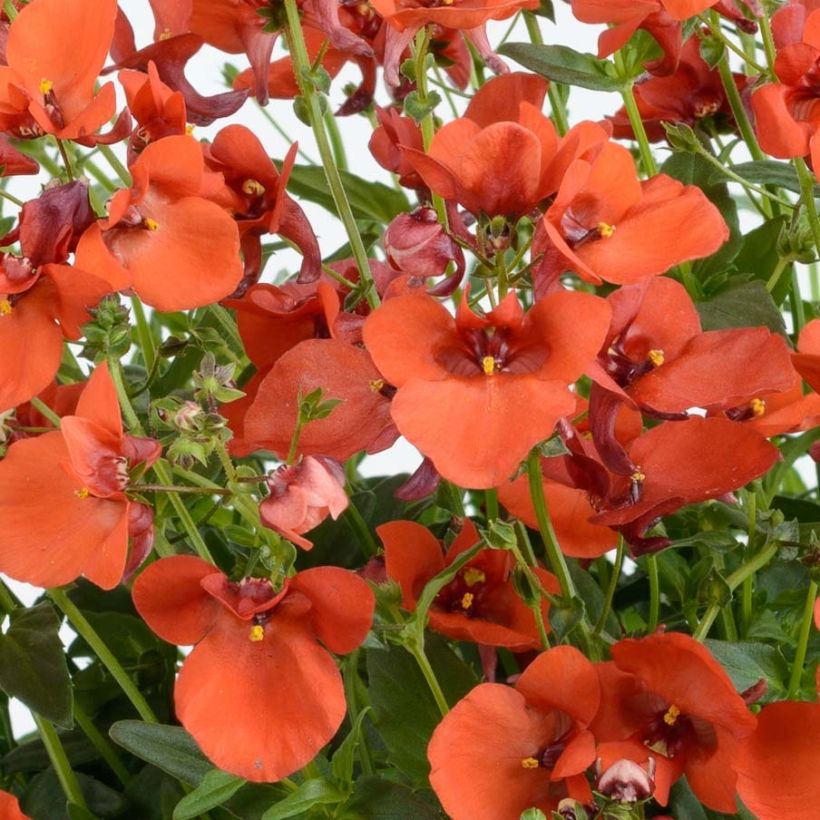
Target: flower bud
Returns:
[[626, 781], [417, 244]]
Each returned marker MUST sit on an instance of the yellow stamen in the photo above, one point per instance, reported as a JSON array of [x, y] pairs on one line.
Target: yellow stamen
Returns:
[[165, 34], [253, 187], [82, 493], [5, 307], [376, 385], [467, 600], [529, 763], [151, 224], [605, 229], [758, 407], [672, 715], [638, 475], [656, 357], [488, 365], [189, 129], [257, 632], [45, 86], [473, 576]]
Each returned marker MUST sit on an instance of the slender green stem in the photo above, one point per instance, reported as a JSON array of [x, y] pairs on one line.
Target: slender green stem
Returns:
[[44, 410], [613, 586], [101, 743], [526, 565], [768, 43], [88, 165], [87, 632], [635, 120], [119, 169], [175, 488], [146, 339], [301, 68], [491, 504], [748, 582], [802, 642], [11, 198], [66, 159], [654, 592], [758, 561], [539, 501], [160, 467], [59, 760], [336, 142], [782, 263], [719, 35], [559, 111], [807, 198], [359, 527], [417, 651]]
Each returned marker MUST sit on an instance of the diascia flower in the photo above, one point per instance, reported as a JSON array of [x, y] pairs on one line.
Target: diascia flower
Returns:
[[463, 382], [10, 808], [503, 749], [481, 603], [667, 696], [777, 765], [63, 508], [260, 693], [163, 237], [606, 224], [54, 53]]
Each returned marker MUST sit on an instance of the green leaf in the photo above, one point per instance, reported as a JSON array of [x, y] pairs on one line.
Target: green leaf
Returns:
[[44, 798], [745, 305], [375, 798], [311, 793], [169, 748], [368, 200], [564, 65], [768, 172], [405, 712], [76, 812], [216, 787], [683, 804], [33, 666], [747, 662], [533, 814], [758, 255], [343, 758]]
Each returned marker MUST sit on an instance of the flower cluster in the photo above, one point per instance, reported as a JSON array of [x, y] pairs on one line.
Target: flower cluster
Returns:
[[608, 369]]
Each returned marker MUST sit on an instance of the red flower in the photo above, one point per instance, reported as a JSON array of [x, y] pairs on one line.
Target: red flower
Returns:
[[259, 693], [163, 237], [48, 84], [302, 496], [63, 508], [777, 765], [661, 18], [605, 224], [502, 750], [665, 695], [10, 808], [807, 359], [483, 369], [480, 604]]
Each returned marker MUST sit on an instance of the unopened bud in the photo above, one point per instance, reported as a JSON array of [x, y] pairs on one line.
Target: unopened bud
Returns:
[[418, 245], [627, 782]]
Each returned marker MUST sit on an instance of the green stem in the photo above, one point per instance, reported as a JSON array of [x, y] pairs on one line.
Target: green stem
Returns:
[[559, 111], [59, 760], [44, 410], [336, 142], [802, 642], [417, 651], [160, 467], [84, 629], [758, 561], [301, 67], [491, 504], [768, 43], [101, 743], [11, 198], [146, 340], [748, 582], [718, 34], [654, 592], [556, 558], [175, 488], [782, 263], [635, 121], [66, 159], [613, 586], [359, 527], [807, 198], [119, 169]]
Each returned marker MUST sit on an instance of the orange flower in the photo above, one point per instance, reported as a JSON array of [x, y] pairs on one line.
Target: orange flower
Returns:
[[259, 693], [807, 359], [10, 808], [63, 508], [502, 749], [605, 224], [481, 604], [302, 496], [54, 54], [483, 369], [777, 766], [667, 696], [163, 237]]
